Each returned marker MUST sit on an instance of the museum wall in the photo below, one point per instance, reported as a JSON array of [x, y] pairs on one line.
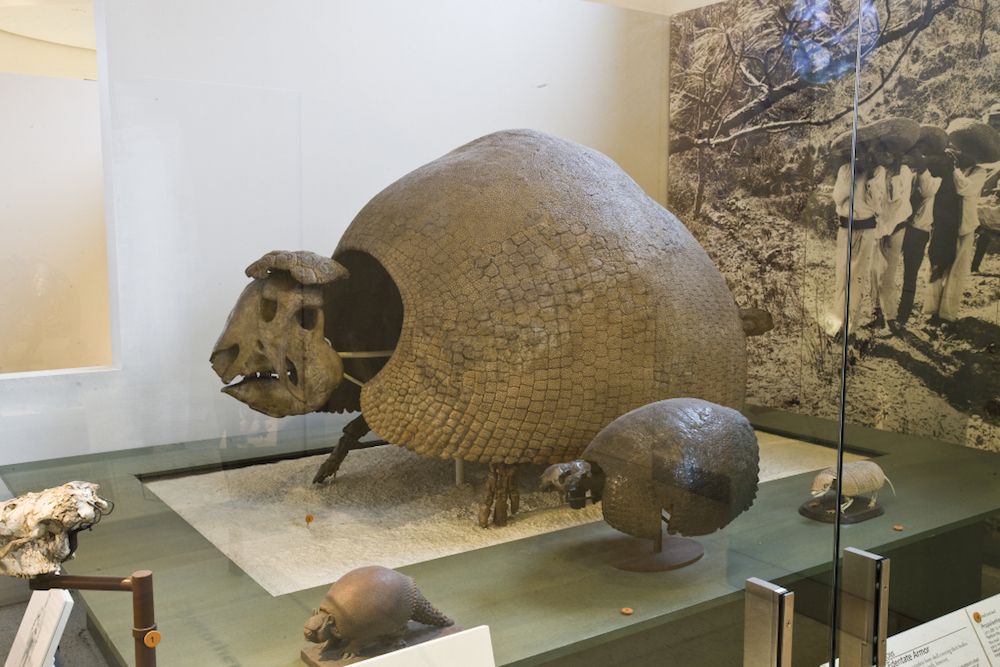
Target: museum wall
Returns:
[[234, 128], [53, 262]]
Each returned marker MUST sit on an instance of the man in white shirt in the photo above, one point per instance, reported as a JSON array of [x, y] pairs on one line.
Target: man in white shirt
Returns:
[[987, 236], [945, 296], [889, 231], [987, 233], [869, 194]]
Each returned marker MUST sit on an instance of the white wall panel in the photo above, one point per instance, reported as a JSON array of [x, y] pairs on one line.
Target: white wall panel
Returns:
[[53, 264], [236, 127]]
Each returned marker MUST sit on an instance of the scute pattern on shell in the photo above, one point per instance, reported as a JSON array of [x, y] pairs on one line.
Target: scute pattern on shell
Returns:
[[696, 460], [544, 295], [307, 268], [374, 602], [631, 505], [860, 478]]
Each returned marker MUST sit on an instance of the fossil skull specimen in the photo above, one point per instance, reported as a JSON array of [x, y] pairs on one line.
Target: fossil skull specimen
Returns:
[[274, 339], [37, 529]]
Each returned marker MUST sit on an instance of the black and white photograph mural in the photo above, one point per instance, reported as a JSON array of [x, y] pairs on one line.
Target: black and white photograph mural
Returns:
[[761, 111]]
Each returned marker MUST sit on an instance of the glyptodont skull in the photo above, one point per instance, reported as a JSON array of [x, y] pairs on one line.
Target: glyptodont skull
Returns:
[[274, 339]]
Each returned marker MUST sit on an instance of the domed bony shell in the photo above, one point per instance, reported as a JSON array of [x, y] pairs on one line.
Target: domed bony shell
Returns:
[[691, 458], [369, 606], [543, 294]]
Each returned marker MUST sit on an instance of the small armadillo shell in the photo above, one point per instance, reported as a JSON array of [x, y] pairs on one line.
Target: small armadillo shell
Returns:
[[544, 294], [700, 459], [369, 602], [861, 477]]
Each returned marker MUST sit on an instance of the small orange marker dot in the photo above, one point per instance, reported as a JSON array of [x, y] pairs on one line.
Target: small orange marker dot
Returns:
[[309, 519], [898, 527], [977, 617], [627, 611]]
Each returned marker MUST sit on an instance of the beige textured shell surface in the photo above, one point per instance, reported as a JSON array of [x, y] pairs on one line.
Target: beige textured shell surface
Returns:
[[860, 477], [544, 294]]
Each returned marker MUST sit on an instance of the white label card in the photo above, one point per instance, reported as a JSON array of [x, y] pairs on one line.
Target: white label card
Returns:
[[41, 628], [985, 619], [948, 641], [469, 648], [968, 637]]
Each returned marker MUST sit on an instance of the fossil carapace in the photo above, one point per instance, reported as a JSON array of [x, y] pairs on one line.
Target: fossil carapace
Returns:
[[369, 606], [690, 458], [501, 304]]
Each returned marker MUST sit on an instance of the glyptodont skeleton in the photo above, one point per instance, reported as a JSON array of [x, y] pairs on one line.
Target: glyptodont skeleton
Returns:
[[501, 305]]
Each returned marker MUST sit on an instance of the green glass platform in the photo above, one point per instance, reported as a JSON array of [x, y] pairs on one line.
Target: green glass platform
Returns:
[[547, 599]]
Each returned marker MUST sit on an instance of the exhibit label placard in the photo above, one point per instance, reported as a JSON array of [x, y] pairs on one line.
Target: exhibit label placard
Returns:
[[40, 630], [968, 637], [468, 648], [948, 641], [985, 619]]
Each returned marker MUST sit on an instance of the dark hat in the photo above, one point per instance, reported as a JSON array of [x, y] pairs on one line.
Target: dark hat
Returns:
[[895, 135], [977, 141], [933, 140]]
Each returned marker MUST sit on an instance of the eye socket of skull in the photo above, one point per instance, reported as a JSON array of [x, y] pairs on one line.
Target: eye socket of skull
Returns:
[[268, 308], [307, 317]]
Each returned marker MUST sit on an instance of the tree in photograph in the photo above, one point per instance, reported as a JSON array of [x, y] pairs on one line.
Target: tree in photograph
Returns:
[[982, 12], [760, 64]]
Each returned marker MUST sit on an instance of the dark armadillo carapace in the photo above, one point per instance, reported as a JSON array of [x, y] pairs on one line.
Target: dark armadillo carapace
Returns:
[[369, 606], [695, 460], [522, 291]]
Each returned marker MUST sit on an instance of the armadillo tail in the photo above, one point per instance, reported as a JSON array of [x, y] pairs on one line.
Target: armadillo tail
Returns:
[[891, 486], [424, 612]]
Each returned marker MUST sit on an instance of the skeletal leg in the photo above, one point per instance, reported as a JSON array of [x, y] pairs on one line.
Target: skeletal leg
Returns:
[[874, 499], [512, 492], [500, 494], [486, 503], [848, 501], [353, 432]]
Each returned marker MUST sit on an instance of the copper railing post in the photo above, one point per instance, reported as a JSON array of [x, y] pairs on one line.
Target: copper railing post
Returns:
[[143, 620], [144, 626]]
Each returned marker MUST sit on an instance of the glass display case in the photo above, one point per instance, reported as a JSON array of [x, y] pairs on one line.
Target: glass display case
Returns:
[[733, 278]]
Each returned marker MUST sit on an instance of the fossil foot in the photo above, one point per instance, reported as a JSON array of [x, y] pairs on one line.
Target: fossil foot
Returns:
[[332, 463], [356, 429], [500, 497]]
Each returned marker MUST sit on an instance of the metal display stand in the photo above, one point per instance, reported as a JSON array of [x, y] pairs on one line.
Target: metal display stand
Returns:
[[144, 631], [767, 624]]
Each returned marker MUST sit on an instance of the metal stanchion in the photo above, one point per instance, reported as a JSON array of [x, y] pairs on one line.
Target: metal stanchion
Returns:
[[144, 631]]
